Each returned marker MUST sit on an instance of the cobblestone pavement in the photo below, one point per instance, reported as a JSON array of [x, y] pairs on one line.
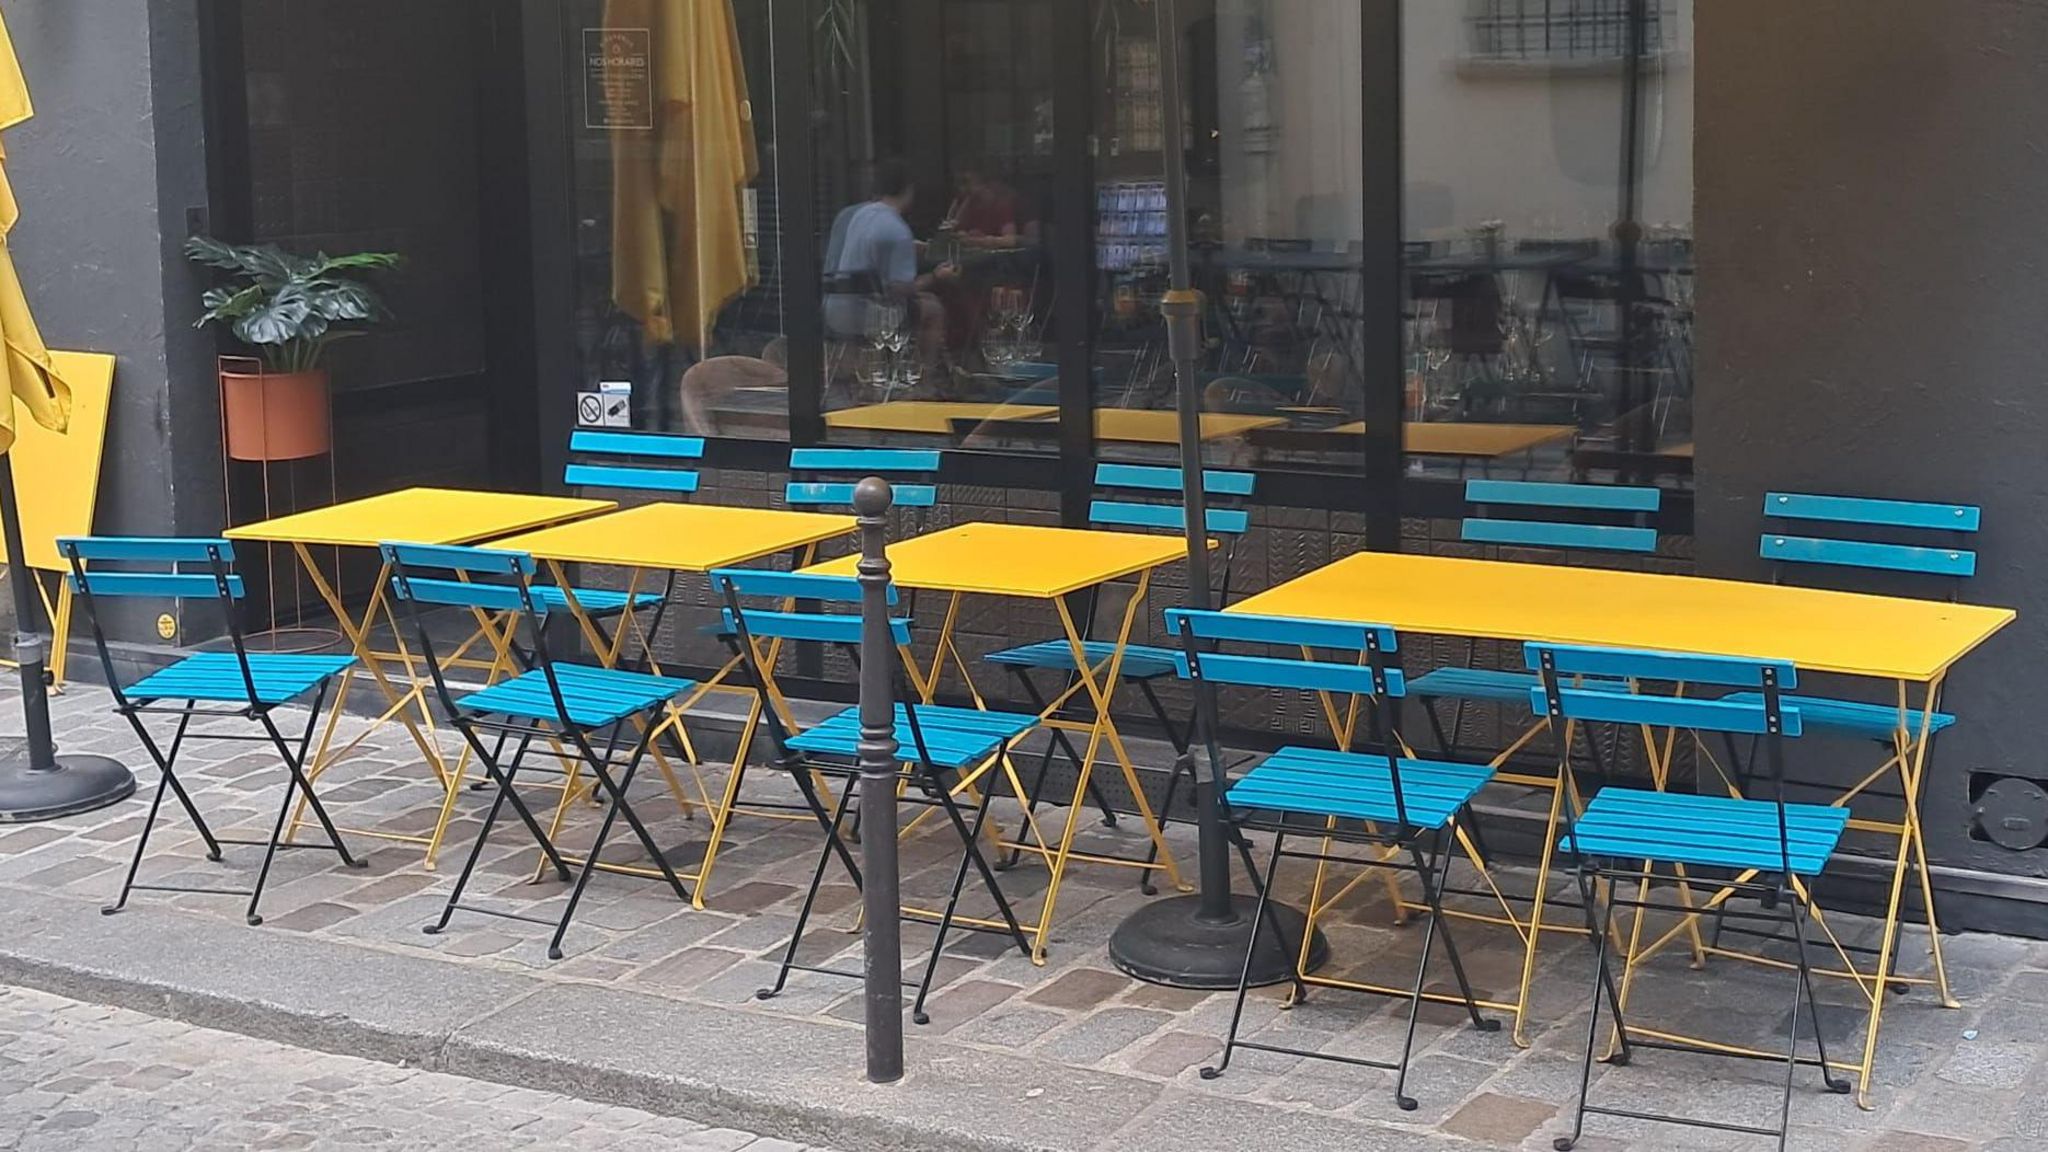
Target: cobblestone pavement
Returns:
[[1972, 1079], [84, 1078]]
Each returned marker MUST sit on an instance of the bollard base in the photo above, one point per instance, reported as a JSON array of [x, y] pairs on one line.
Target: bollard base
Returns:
[[77, 784], [1169, 942]]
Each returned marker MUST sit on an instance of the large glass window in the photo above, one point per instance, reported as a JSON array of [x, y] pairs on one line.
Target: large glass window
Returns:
[[1547, 162], [678, 302], [932, 143], [1272, 99]]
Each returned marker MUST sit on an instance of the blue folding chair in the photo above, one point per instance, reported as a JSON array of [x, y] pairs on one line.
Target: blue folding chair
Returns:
[[600, 712], [1146, 498], [1529, 514], [1389, 800], [824, 478], [937, 747], [238, 683], [1767, 847]]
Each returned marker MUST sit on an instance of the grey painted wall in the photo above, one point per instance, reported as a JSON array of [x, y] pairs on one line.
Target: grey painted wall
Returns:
[[105, 174], [1873, 277]]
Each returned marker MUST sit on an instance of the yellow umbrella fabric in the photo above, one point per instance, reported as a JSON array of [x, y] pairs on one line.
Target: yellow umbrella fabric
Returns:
[[679, 253], [31, 378]]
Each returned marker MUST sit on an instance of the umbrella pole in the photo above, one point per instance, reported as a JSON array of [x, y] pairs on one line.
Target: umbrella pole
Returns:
[[35, 783], [1198, 941]]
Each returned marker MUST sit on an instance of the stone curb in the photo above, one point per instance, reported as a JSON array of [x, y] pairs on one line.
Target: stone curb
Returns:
[[791, 1077]]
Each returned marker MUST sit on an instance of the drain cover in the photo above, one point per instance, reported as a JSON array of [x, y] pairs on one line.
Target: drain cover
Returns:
[[2014, 814]]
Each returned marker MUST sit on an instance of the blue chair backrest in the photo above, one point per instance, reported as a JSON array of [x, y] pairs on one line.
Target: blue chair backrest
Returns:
[[167, 553], [490, 579], [1960, 521], [825, 477], [1606, 685], [783, 622], [1117, 484], [1534, 499], [610, 456], [1360, 670]]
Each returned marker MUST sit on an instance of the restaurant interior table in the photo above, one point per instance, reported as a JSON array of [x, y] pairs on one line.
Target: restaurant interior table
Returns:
[[931, 417], [1910, 644], [1031, 562], [667, 538], [413, 516]]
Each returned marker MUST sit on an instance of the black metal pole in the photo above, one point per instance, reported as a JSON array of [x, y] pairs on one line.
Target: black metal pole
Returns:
[[1198, 942], [34, 783], [28, 646], [881, 926]]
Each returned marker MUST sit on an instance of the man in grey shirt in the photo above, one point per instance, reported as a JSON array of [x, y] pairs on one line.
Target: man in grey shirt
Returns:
[[871, 256]]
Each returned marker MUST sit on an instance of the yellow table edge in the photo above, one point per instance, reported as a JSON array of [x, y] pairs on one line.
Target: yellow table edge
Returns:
[[538, 544], [279, 530], [1174, 548]]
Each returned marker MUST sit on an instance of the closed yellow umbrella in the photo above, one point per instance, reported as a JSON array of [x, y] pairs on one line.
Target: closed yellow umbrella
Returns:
[[679, 252], [31, 379]]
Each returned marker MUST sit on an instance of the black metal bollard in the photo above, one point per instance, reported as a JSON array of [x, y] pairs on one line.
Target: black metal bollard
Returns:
[[881, 931]]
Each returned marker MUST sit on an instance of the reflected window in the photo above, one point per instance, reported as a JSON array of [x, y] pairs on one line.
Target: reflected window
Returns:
[[678, 305]]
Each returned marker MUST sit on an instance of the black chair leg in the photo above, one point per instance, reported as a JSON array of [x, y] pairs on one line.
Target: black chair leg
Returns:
[[1262, 914], [1601, 925], [831, 823], [1839, 1087], [504, 781], [156, 803]]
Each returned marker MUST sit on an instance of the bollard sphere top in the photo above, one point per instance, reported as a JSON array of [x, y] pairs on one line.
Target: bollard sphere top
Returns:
[[872, 496]]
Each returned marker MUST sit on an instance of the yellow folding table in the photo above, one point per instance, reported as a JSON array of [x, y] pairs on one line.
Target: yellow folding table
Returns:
[[663, 538], [57, 479], [1162, 425], [1910, 643], [931, 417], [1031, 562], [414, 516]]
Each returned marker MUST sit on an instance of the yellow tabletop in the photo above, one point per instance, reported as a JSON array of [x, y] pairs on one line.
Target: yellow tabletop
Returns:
[[1879, 636], [933, 417], [421, 516], [1018, 559], [679, 537], [1162, 426], [1490, 441]]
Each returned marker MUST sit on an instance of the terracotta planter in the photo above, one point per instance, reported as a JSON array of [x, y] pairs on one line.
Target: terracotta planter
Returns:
[[275, 416]]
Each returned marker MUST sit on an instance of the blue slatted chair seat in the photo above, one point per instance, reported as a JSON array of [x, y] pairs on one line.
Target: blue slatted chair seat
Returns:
[[1819, 714], [955, 737], [1474, 684], [1358, 786], [217, 676], [596, 601], [594, 696], [1141, 662], [1706, 831]]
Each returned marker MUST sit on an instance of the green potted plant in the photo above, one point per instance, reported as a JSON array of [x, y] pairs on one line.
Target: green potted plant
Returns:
[[288, 309]]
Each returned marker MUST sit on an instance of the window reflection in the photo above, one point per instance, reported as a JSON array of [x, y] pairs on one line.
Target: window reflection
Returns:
[[1547, 161]]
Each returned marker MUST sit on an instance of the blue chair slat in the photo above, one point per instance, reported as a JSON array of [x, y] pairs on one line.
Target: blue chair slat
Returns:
[[1141, 661], [1475, 684], [634, 479], [1821, 714], [800, 585], [1358, 786], [1721, 715], [1588, 497], [159, 585], [840, 494], [1294, 631], [457, 558], [217, 677], [1306, 675], [1118, 513], [1551, 534], [816, 627], [1645, 664], [637, 444], [168, 549], [1866, 554], [1157, 478], [954, 737], [548, 598], [460, 594], [1707, 831], [1873, 513], [594, 696], [868, 460]]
